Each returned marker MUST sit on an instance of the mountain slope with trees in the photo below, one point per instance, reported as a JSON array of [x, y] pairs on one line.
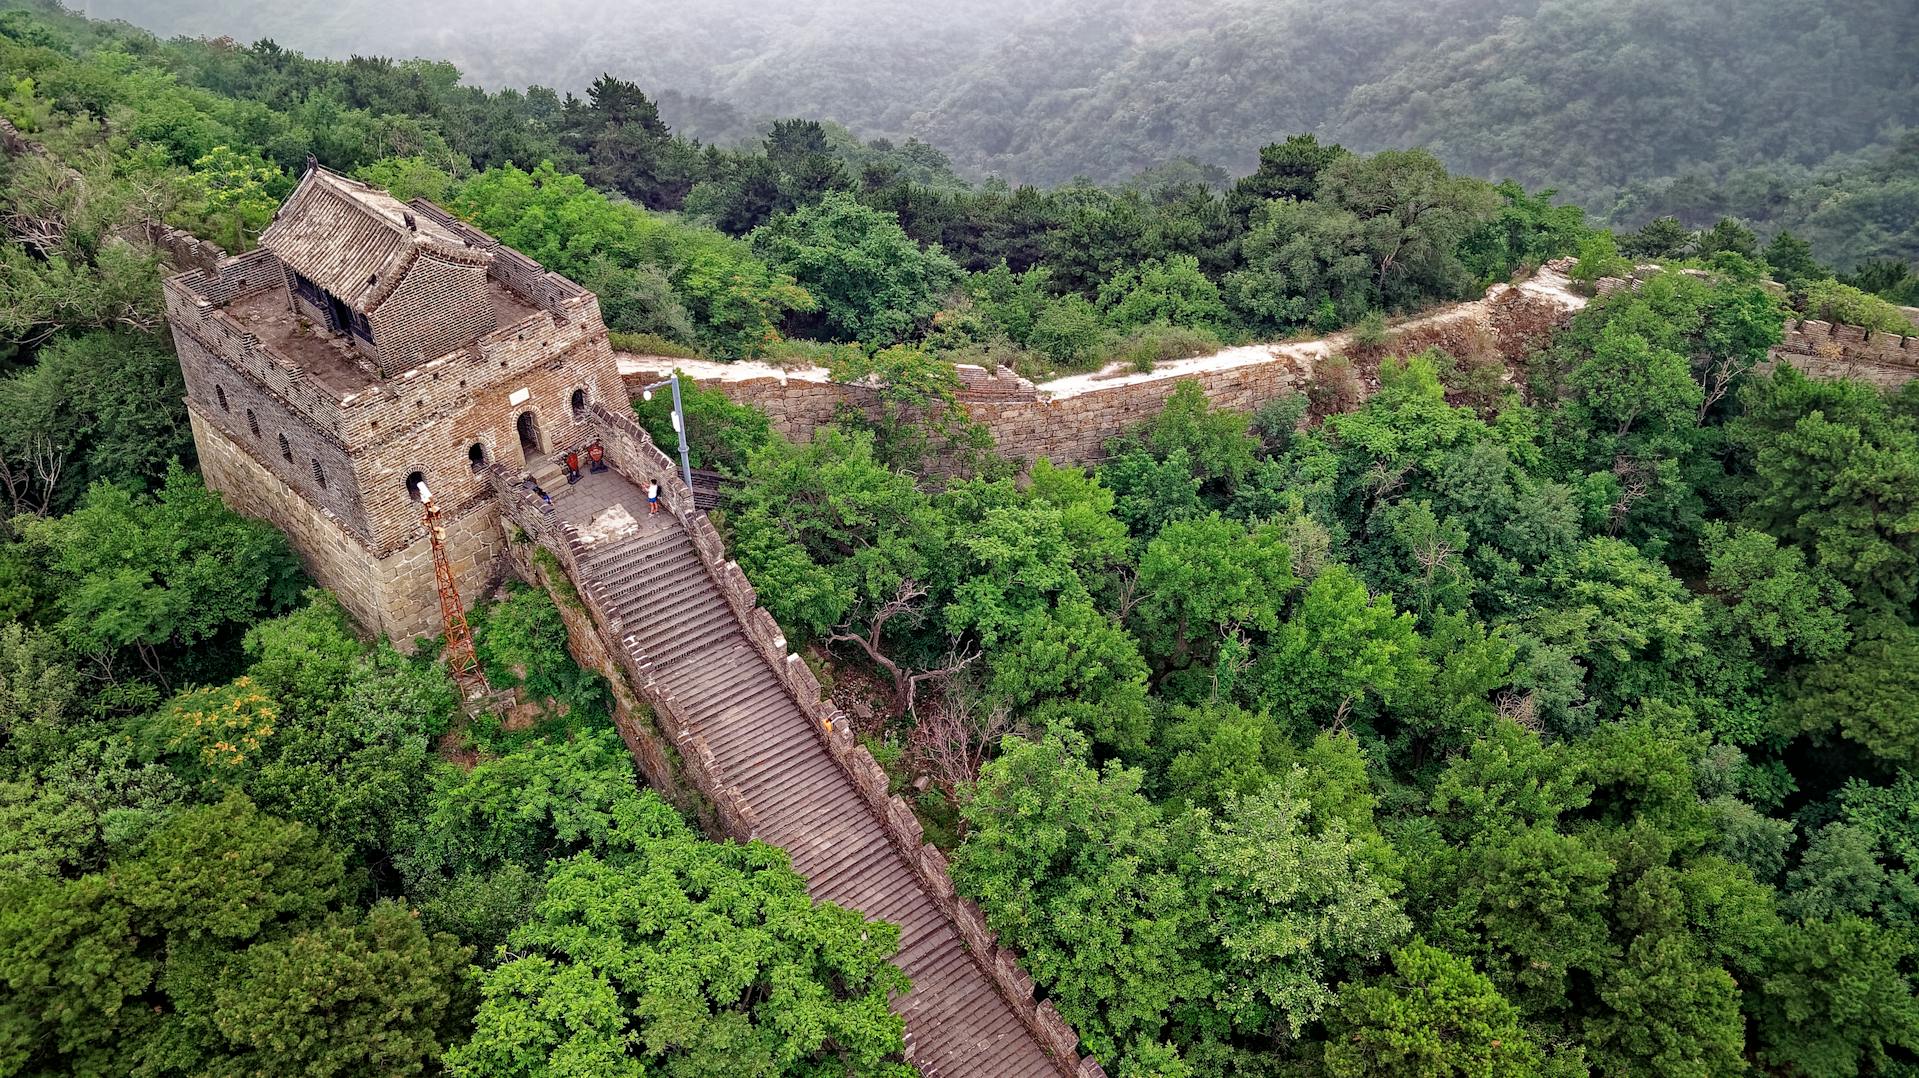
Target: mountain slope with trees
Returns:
[[1545, 719], [1628, 108]]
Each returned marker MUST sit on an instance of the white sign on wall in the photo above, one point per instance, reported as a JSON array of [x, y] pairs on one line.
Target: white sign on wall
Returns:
[[519, 397]]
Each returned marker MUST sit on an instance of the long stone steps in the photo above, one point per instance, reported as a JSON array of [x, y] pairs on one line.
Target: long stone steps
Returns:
[[684, 634]]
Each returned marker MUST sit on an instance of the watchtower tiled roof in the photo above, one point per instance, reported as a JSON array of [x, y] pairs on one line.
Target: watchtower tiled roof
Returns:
[[356, 241]]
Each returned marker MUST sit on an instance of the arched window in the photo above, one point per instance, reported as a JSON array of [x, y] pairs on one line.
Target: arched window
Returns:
[[252, 423], [286, 449], [579, 402], [221, 393], [476, 453], [414, 481], [319, 474]]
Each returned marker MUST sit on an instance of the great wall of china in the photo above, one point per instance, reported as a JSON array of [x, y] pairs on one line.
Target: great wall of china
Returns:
[[1070, 419], [718, 713]]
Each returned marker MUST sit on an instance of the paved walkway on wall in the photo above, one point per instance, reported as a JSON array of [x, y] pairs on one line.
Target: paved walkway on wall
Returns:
[[1547, 284], [677, 620]]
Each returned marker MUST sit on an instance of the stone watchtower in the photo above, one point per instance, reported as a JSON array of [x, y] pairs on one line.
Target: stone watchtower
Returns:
[[368, 346]]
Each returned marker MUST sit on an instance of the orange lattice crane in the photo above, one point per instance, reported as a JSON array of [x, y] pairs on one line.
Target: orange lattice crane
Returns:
[[460, 660]]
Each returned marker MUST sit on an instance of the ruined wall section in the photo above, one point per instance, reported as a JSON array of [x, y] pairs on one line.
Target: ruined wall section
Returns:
[[183, 250], [1820, 349], [1026, 423], [1826, 350], [1071, 419]]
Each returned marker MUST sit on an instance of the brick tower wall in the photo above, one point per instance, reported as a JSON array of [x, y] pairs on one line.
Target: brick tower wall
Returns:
[[394, 595], [340, 490], [316, 455], [489, 415]]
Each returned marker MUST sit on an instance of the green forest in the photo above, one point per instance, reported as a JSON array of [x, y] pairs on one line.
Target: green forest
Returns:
[[1793, 114], [1447, 717]]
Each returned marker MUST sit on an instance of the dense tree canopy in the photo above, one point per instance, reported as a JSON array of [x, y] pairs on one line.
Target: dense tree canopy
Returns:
[[1463, 713], [1650, 108], [1502, 739]]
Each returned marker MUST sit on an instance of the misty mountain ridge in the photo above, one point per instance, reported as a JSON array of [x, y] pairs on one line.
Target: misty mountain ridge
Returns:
[[1630, 108]]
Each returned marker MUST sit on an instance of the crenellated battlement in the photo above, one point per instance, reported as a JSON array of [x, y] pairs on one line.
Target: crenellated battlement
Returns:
[[1829, 350]]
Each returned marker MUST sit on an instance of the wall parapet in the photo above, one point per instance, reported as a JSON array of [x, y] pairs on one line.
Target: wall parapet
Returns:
[[1817, 347], [376, 408], [1826, 349], [195, 303]]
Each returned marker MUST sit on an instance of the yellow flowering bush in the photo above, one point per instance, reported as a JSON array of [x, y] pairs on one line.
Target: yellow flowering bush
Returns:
[[223, 725]]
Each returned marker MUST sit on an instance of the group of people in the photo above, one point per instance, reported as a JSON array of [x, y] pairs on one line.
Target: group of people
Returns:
[[596, 461]]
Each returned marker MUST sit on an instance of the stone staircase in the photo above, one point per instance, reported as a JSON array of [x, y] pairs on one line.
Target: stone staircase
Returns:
[[685, 637]]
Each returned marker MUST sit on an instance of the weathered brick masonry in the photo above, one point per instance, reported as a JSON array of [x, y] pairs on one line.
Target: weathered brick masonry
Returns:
[[1825, 350], [369, 346], [1071, 419]]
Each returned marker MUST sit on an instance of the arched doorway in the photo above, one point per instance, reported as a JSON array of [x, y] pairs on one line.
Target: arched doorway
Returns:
[[530, 443]]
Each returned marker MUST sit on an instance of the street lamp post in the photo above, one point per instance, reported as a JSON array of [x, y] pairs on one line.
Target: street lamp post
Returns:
[[679, 423]]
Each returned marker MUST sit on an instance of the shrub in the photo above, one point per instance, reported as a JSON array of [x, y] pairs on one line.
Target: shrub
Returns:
[[1370, 334], [1277, 420], [1599, 257], [650, 344], [1069, 332], [804, 353], [521, 642], [1335, 387], [719, 433], [1171, 291], [1834, 302], [1157, 342]]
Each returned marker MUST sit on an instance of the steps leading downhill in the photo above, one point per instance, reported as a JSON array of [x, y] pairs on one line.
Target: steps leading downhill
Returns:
[[682, 631]]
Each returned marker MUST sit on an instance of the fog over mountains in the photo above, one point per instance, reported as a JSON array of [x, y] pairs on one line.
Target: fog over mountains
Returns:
[[1630, 106]]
